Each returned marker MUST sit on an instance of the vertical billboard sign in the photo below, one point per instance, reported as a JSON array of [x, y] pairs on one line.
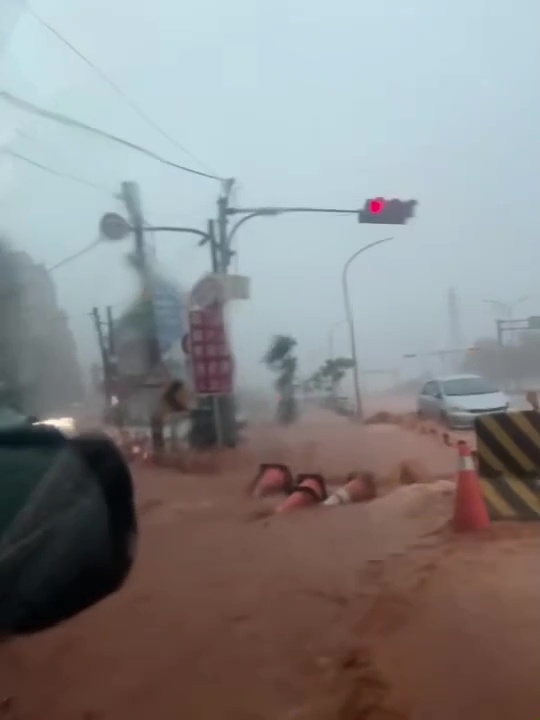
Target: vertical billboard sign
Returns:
[[211, 359]]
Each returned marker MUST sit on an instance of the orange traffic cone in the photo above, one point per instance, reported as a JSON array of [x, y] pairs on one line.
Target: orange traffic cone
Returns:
[[271, 479], [359, 487], [310, 489], [470, 511]]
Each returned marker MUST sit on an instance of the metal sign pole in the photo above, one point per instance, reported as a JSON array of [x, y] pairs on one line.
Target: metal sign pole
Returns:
[[208, 348]]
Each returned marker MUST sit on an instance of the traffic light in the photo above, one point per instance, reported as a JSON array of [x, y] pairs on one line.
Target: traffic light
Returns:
[[379, 211]]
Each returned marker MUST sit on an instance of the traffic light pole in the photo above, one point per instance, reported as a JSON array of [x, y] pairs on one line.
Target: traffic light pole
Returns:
[[224, 242], [378, 211]]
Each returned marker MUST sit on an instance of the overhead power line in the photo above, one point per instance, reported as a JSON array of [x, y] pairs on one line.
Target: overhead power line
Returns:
[[70, 122], [74, 256], [58, 173], [51, 268], [114, 86]]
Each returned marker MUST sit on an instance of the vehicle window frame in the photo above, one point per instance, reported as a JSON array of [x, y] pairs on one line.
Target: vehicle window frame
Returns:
[[491, 388], [438, 393]]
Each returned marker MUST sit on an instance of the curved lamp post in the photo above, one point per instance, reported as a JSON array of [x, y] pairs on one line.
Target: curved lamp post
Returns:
[[250, 213], [350, 321]]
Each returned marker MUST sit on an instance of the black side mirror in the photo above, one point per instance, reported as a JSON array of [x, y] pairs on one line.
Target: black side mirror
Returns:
[[68, 527]]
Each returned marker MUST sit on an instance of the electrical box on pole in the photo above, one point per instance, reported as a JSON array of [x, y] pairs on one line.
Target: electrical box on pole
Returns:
[[380, 211], [534, 322]]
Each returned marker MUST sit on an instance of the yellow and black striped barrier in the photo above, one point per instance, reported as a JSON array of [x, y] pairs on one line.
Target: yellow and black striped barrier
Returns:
[[508, 455]]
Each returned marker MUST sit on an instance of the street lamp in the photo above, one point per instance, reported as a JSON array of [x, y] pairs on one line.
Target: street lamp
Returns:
[[350, 320], [250, 213], [262, 212]]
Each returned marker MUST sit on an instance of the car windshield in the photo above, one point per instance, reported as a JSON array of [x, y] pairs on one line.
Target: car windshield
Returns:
[[467, 386]]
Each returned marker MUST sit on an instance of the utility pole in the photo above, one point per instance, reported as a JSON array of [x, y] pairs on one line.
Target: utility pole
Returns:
[[104, 355], [224, 251], [117, 406], [211, 238], [110, 333], [225, 406], [131, 198], [222, 245]]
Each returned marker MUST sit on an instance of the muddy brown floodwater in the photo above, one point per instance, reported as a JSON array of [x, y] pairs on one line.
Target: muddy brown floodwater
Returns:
[[363, 612]]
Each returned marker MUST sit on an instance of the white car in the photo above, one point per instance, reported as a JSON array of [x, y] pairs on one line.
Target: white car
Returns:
[[457, 400]]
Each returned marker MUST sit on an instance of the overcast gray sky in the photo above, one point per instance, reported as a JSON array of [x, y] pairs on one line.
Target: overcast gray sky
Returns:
[[304, 102]]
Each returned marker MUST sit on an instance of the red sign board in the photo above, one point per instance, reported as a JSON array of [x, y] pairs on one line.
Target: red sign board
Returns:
[[211, 360]]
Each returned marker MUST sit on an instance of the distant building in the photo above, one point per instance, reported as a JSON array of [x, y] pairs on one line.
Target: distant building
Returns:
[[38, 357]]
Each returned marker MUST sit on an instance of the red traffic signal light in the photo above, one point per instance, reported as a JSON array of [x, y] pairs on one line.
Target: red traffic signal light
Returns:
[[387, 212], [376, 206]]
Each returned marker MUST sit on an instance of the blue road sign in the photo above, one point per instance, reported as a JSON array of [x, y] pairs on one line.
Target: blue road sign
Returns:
[[169, 316]]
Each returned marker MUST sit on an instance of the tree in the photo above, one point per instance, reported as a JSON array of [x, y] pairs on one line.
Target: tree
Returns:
[[279, 359], [333, 371]]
